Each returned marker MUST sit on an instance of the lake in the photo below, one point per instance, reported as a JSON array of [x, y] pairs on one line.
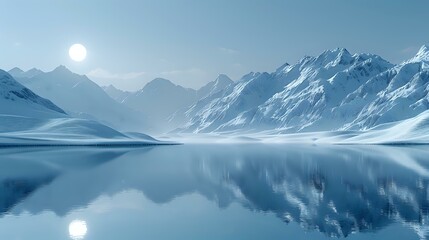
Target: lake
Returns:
[[218, 191]]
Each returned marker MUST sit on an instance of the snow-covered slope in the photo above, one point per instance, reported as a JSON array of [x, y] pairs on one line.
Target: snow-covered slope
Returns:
[[64, 131], [117, 94], [165, 103], [221, 82], [295, 97], [81, 97], [333, 91], [204, 95], [398, 93], [28, 119], [215, 110], [159, 99], [15, 99], [412, 130], [311, 101]]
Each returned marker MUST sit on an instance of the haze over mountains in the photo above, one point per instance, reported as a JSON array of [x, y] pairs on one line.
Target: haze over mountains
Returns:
[[81, 97], [25, 102], [164, 102], [26, 118], [334, 91]]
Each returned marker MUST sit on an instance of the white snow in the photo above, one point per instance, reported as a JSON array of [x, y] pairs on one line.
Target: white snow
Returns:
[[335, 91], [28, 119], [67, 131], [165, 103], [81, 97], [336, 97]]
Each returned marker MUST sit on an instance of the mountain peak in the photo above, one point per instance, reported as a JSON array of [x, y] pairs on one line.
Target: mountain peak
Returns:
[[223, 78], [158, 83], [342, 50], [339, 56], [332, 58], [250, 76], [34, 70], [282, 67], [423, 53], [336, 52], [15, 70], [11, 90], [19, 73], [161, 81], [61, 68]]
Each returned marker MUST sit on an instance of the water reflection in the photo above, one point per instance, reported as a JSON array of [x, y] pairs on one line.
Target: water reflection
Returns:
[[336, 190]]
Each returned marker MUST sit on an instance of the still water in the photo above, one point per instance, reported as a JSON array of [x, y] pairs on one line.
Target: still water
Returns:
[[250, 191]]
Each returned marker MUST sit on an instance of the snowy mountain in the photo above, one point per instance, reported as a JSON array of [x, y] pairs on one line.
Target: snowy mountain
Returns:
[[159, 99], [333, 91], [165, 103], [219, 84], [82, 98], [398, 93], [19, 101], [204, 94], [28, 119], [117, 94], [19, 73]]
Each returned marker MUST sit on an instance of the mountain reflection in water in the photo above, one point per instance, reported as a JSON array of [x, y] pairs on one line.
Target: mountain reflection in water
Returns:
[[336, 190]]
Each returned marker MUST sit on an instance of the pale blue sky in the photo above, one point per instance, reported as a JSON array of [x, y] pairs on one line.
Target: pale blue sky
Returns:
[[190, 42]]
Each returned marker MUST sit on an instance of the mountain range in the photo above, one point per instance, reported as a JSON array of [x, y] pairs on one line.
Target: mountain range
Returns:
[[19, 105], [81, 97], [29, 119], [164, 102], [334, 91]]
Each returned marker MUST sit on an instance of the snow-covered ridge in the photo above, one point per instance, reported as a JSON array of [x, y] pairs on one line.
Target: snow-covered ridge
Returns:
[[334, 91], [28, 119], [117, 94], [164, 102], [12, 91], [422, 55], [80, 97], [19, 73]]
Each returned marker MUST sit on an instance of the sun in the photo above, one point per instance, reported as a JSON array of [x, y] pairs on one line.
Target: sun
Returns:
[[77, 229], [77, 52]]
